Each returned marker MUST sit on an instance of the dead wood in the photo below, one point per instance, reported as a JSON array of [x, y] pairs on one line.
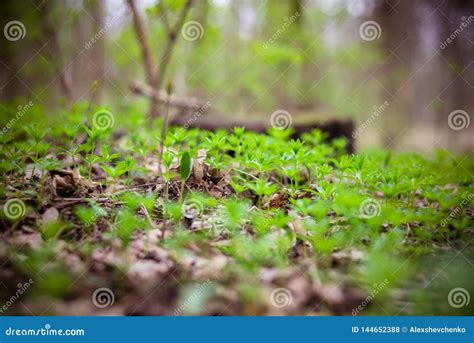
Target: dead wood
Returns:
[[334, 128], [180, 102]]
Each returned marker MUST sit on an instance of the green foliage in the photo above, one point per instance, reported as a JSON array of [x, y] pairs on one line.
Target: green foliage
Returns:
[[89, 215], [185, 166], [262, 199]]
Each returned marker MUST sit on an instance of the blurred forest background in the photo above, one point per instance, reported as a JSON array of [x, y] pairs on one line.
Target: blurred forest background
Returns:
[[321, 58]]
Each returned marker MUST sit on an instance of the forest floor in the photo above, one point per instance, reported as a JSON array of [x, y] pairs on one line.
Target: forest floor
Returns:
[[102, 219]]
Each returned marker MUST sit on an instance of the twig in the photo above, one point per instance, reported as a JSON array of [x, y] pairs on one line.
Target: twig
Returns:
[[148, 217], [75, 201], [167, 52], [175, 100], [143, 41]]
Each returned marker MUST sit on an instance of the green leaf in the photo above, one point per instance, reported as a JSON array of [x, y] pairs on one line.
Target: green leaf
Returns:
[[185, 166]]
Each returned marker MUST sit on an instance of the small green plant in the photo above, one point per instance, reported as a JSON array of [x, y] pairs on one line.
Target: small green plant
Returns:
[[120, 169], [261, 188], [185, 169]]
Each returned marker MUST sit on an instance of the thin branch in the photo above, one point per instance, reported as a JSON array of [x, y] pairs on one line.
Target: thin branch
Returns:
[[161, 97], [164, 17], [142, 38], [167, 52]]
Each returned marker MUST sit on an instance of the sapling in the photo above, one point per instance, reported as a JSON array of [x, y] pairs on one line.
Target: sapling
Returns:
[[139, 145], [168, 157], [236, 140], [215, 142], [40, 148], [93, 134], [238, 188], [90, 160], [71, 131], [185, 168], [72, 153], [262, 188], [106, 156], [164, 125], [120, 169], [178, 136], [14, 159]]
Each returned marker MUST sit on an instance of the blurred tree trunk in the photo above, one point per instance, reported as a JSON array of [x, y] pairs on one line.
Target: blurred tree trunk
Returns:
[[202, 12], [398, 42], [455, 58], [12, 53], [308, 74], [80, 66], [276, 14], [96, 53], [55, 49]]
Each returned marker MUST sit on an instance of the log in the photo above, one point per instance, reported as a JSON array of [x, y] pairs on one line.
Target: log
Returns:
[[334, 128], [180, 102]]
